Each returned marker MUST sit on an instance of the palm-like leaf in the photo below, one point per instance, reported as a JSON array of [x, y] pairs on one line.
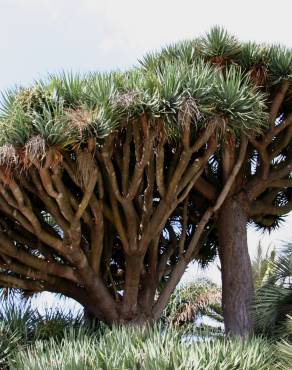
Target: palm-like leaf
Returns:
[[274, 297], [189, 302]]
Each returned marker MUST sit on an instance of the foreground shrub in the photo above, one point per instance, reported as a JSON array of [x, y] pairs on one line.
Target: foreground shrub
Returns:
[[132, 348], [285, 353], [54, 323], [18, 317], [274, 296], [9, 339]]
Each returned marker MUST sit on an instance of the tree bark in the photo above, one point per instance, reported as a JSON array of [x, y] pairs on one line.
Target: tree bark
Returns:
[[237, 283], [134, 266]]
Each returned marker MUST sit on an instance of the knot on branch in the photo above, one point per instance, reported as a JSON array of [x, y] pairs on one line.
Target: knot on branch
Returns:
[[80, 118], [125, 100], [35, 149], [189, 110], [8, 156]]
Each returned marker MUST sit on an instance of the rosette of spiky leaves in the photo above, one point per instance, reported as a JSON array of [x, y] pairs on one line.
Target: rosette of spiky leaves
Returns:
[[20, 108], [267, 223], [219, 46], [235, 97], [35, 111], [252, 54], [284, 346], [270, 219], [231, 94], [253, 59], [187, 52], [69, 88], [62, 111], [280, 64], [276, 204]]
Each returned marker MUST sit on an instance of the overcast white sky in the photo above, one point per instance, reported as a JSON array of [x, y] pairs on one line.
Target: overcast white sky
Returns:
[[41, 36], [44, 36]]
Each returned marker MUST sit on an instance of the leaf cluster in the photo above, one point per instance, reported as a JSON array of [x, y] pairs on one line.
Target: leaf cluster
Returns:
[[214, 73], [147, 348]]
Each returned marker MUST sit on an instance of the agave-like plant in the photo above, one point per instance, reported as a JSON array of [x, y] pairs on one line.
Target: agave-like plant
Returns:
[[18, 316], [54, 323]]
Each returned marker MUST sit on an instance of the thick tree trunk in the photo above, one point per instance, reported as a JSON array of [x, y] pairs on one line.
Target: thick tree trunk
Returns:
[[134, 266], [93, 315], [237, 284]]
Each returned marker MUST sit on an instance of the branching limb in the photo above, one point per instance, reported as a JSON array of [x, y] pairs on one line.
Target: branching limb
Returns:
[[260, 208], [281, 183], [206, 189], [160, 162], [192, 248], [17, 283], [183, 236], [278, 101], [276, 130], [7, 247]]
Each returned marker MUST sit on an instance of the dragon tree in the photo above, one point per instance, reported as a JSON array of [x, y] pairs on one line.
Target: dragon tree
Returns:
[[262, 192], [261, 195], [111, 184]]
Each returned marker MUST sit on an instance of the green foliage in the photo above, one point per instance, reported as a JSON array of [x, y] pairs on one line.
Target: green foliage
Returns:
[[67, 108], [159, 87], [262, 266], [235, 98], [59, 340], [29, 325], [285, 354], [21, 325], [280, 63], [192, 301], [18, 318], [9, 340], [218, 43], [54, 323], [146, 348], [252, 55], [274, 297], [284, 347], [68, 87]]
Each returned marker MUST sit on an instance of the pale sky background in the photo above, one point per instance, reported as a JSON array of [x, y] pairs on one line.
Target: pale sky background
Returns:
[[44, 36]]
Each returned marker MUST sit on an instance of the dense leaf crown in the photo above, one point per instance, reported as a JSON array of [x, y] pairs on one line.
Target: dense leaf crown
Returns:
[[217, 73]]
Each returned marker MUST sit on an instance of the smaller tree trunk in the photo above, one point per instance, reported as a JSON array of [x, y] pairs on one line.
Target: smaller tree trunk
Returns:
[[237, 283]]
